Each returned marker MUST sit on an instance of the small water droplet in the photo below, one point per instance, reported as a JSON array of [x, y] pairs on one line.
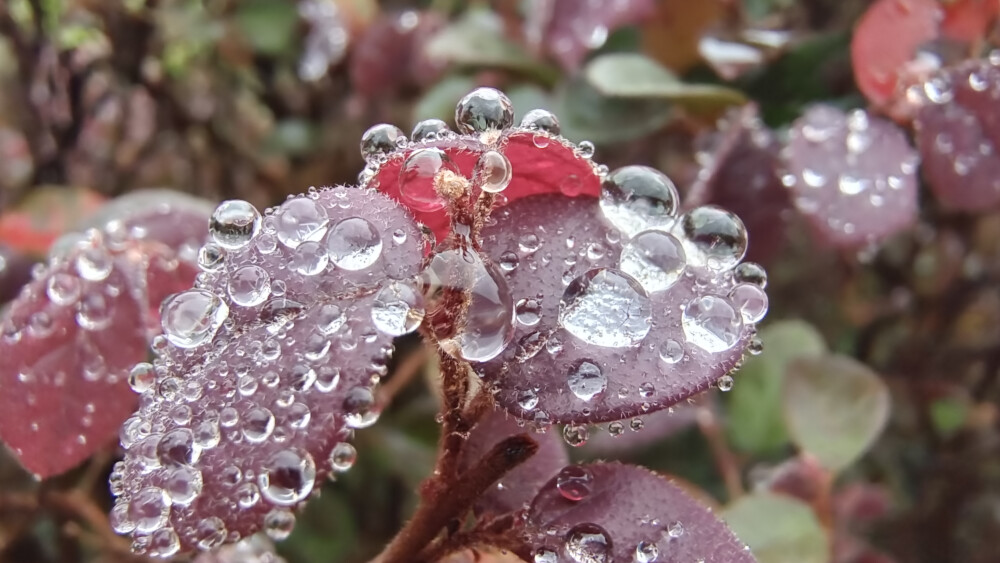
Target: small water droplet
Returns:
[[298, 220], [398, 309], [541, 120], [576, 435], [655, 259], [279, 523], [310, 258], [63, 288], [234, 224], [380, 140], [342, 457], [354, 244], [211, 257], [588, 543], [249, 286], [671, 351], [638, 198], [750, 300], [586, 380], [493, 172], [646, 552], [288, 477], [359, 408], [574, 482], [149, 509], [711, 323], [192, 318], [420, 175], [712, 237], [429, 130]]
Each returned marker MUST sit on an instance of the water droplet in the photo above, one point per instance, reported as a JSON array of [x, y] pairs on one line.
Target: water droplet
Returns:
[[483, 109], [750, 300], [279, 523], [288, 477], [94, 312], [149, 509], [606, 307], [636, 424], [359, 408], [529, 243], [94, 263], [330, 319], [529, 312], [725, 383], [676, 530], [493, 172], [711, 324], [257, 424], [527, 399], [638, 198], [851, 185], [585, 149], [541, 120], [206, 433], [421, 174], [545, 555], [469, 306], [574, 482], [750, 272], [249, 286], [211, 257], [142, 377], [588, 543], [342, 457], [646, 552], [247, 495], [191, 318], [234, 224], [576, 435], [671, 352], [354, 244], [654, 258], [163, 543], [310, 258], [183, 485], [398, 309], [210, 533], [509, 261], [586, 380], [429, 130], [380, 140], [712, 237], [177, 448], [299, 220], [63, 288]]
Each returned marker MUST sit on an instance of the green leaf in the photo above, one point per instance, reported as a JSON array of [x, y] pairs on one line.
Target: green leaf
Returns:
[[778, 529], [477, 40], [756, 423], [835, 407], [948, 415], [586, 114], [632, 75], [292, 137], [527, 97], [439, 101], [267, 25]]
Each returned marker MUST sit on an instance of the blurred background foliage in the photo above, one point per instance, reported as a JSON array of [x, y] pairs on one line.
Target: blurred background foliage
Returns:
[[257, 99]]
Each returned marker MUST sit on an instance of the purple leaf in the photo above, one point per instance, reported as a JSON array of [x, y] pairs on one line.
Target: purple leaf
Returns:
[[605, 334], [958, 133], [569, 29], [629, 438], [741, 173], [175, 219], [390, 55], [852, 175], [518, 487], [68, 342], [265, 367], [614, 512]]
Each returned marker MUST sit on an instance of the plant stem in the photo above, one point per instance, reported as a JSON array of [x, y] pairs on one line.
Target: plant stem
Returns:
[[724, 458], [446, 501]]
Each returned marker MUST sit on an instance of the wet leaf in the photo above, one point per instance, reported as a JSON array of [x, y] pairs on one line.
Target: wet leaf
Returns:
[[835, 408], [516, 489], [756, 421], [852, 175], [619, 511], [778, 529], [632, 75], [228, 384]]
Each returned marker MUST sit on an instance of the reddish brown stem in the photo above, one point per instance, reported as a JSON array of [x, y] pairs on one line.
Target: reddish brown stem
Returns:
[[447, 501], [724, 458]]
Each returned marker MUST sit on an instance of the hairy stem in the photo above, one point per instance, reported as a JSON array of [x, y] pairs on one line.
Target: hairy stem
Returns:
[[724, 458], [446, 501]]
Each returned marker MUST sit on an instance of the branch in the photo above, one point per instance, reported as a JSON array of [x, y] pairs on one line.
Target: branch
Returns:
[[444, 504], [724, 458]]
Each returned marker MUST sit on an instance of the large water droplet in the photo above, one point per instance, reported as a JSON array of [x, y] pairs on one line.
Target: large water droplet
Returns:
[[257, 423], [211, 257], [398, 309], [183, 485], [711, 324], [482, 109], [288, 477], [234, 224], [493, 172], [574, 482], [177, 448], [469, 306], [654, 258], [380, 140], [310, 258], [586, 380], [299, 220], [542, 120], [588, 543], [419, 177], [646, 552], [354, 244], [606, 307], [429, 130], [191, 318], [249, 286], [149, 509], [751, 272], [638, 198], [750, 300], [712, 237]]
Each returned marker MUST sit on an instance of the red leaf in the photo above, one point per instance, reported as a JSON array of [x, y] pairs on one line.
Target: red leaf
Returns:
[[886, 40], [969, 20], [626, 513]]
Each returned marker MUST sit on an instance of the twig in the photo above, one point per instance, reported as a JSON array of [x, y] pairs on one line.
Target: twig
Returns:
[[724, 458], [402, 376], [447, 501]]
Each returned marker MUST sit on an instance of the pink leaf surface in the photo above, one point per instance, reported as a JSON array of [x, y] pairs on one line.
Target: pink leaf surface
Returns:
[[958, 133], [518, 487], [852, 175], [616, 512], [622, 351], [389, 56], [265, 368], [68, 343]]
